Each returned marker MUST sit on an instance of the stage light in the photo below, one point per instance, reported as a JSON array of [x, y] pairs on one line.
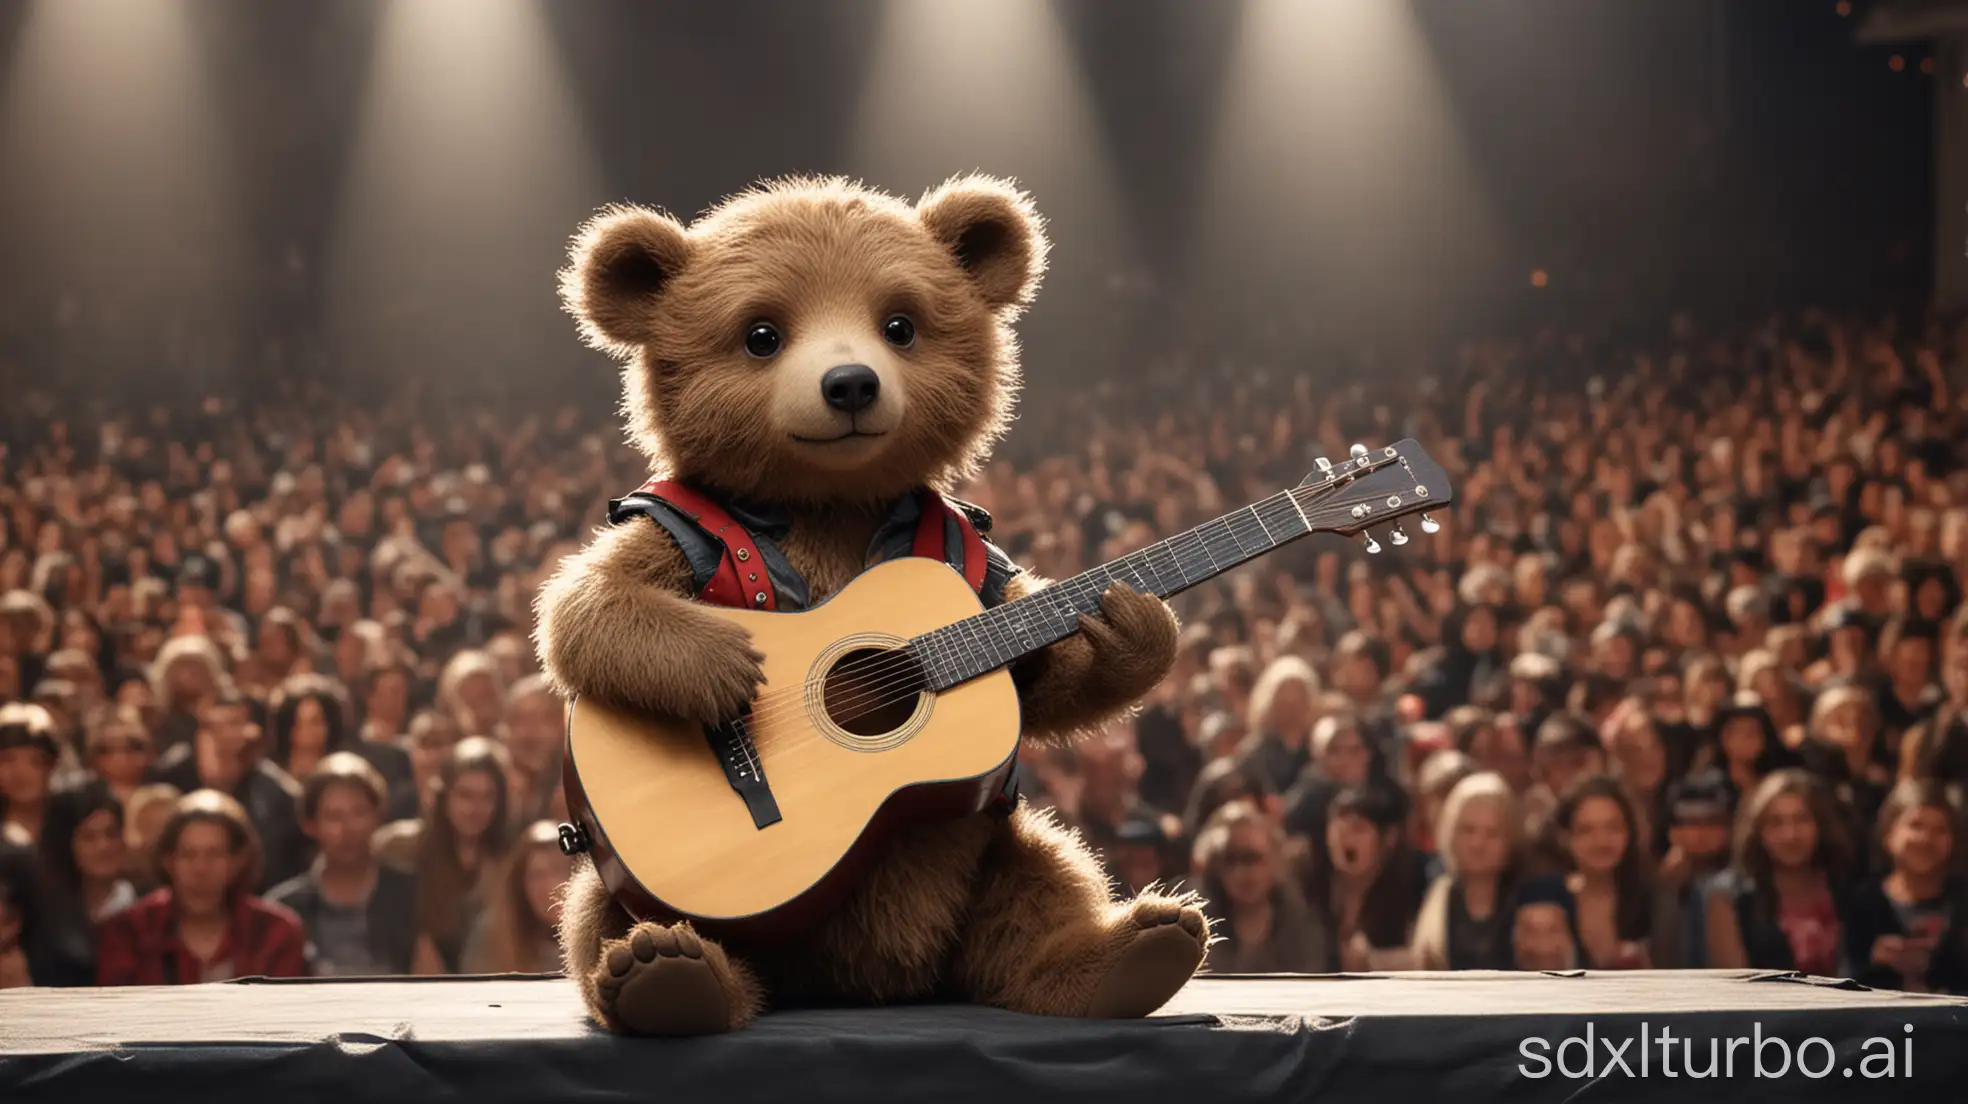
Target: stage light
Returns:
[[1896, 63], [471, 167], [1927, 66], [1539, 277], [955, 85], [110, 135], [1844, 8], [1340, 183]]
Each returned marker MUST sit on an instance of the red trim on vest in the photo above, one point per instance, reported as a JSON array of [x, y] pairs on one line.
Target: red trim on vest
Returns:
[[741, 580], [932, 537]]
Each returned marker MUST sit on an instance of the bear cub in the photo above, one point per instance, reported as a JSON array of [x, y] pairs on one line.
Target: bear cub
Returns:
[[727, 328]]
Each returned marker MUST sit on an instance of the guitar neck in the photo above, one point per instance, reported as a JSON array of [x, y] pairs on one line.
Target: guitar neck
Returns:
[[999, 637]]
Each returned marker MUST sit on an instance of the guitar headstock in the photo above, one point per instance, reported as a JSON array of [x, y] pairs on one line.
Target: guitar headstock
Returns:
[[1373, 489]]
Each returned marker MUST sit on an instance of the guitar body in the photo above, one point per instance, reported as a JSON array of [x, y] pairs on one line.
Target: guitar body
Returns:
[[672, 836]]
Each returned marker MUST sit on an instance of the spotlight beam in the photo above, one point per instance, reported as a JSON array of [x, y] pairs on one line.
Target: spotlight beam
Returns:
[[1339, 185], [471, 167]]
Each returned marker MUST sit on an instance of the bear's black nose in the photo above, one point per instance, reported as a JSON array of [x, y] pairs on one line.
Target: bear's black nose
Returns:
[[850, 388]]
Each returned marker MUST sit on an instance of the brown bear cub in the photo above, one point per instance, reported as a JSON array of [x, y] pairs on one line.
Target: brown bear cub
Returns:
[[726, 327]]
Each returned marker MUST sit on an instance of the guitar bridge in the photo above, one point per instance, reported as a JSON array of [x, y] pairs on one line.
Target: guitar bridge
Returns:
[[738, 755]]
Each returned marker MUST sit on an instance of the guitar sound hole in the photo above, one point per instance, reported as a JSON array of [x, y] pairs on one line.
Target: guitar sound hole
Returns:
[[872, 691]]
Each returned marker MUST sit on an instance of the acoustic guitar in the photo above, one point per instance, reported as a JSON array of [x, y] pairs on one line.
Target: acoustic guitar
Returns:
[[888, 704]]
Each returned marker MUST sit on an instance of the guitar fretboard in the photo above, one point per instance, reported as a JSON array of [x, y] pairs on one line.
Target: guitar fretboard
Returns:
[[962, 651], [1365, 490]]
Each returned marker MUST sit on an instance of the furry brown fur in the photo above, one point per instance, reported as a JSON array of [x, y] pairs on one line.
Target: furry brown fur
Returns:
[[1011, 911], [826, 261]]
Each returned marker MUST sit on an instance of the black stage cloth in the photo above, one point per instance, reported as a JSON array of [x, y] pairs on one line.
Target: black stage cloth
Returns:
[[1394, 1039]]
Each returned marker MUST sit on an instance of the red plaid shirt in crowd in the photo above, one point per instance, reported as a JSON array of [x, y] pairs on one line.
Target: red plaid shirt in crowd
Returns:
[[140, 945]]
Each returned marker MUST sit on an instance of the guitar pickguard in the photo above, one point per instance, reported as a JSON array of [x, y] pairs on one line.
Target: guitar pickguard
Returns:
[[732, 743]]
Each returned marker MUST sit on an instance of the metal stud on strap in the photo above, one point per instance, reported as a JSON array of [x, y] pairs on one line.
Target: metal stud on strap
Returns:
[[759, 598], [744, 554]]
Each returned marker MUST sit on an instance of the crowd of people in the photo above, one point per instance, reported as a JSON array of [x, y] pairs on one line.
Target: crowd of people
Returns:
[[1680, 683], [272, 706], [1682, 680]]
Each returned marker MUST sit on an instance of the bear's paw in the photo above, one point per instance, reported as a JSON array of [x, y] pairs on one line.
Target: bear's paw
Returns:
[[1163, 941], [658, 981]]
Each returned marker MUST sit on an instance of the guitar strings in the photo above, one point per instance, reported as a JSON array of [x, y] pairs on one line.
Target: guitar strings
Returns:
[[896, 682], [893, 691], [900, 664], [902, 667], [899, 671], [787, 747], [903, 660]]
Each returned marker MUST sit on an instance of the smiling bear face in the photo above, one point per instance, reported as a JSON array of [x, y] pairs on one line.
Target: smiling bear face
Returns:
[[814, 340]]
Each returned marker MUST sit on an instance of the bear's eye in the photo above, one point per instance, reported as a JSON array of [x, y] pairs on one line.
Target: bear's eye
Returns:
[[899, 331], [762, 340]]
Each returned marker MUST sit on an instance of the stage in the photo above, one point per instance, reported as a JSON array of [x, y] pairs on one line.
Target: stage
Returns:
[[1460, 1037]]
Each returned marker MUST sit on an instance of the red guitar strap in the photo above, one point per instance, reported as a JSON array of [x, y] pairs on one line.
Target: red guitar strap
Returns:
[[741, 579], [933, 537]]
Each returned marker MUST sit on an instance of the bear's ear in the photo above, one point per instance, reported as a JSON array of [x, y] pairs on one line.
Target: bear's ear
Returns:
[[995, 234], [617, 264]]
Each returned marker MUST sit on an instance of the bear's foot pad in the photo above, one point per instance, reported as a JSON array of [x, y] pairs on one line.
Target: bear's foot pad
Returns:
[[657, 982], [1160, 957]]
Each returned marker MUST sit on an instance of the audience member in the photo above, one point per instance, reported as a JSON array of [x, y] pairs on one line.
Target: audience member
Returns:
[[515, 932], [1699, 811], [28, 755], [1566, 749], [1465, 922], [119, 752], [535, 731], [463, 840], [1541, 927], [1281, 717], [1906, 928], [1262, 920], [1439, 775], [1368, 881], [145, 813], [1339, 759], [225, 754], [85, 861], [22, 922], [205, 924], [308, 722], [1780, 908], [360, 917], [1139, 856], [1606, 874]]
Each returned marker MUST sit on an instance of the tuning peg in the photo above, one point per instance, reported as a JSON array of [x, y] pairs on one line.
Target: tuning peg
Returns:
[[1398, 537], [1373, 545], [1322, 464], [1430, 525], [1359, 451]]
